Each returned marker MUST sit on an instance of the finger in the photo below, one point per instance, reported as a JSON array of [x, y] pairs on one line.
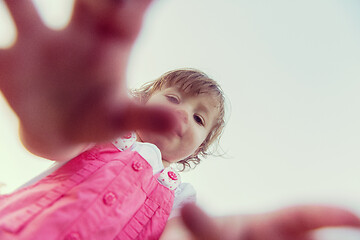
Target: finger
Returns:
[[25, 16], [100, 124], [5, 65], [2, 58], [202, 226], [303, 237], [155, 119], [307, 218], [113, 18]]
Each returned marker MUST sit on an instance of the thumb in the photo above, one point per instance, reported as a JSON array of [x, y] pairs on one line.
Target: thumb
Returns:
[[201, 225]]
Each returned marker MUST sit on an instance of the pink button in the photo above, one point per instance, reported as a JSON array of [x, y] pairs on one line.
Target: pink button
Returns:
[[73, 236], [109, 198], [137, 166], [172, 175]]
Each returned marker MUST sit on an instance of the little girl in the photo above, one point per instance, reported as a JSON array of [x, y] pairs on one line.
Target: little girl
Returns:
[[68, 87], [126, 189]]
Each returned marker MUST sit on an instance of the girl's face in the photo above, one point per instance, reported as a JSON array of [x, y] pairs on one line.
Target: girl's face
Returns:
[[196, 116]]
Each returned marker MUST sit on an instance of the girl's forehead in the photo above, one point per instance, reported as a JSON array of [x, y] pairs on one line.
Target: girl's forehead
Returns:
[[189, 92]]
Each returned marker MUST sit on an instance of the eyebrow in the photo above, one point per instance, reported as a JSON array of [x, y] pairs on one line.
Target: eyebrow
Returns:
[[203, 108]]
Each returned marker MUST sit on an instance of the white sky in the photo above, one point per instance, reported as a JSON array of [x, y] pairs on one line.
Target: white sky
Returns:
[[291, 73]]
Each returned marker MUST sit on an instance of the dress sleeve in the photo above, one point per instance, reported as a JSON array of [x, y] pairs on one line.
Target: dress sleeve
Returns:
[[184, 193]]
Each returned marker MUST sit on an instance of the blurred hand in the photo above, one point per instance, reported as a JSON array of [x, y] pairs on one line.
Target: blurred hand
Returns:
[[294, 223], [71, 84]]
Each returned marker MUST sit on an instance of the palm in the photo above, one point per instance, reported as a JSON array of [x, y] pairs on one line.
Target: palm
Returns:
[[72, 82]]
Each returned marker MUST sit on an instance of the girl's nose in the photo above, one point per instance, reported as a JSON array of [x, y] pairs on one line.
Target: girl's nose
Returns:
[[182, 115]]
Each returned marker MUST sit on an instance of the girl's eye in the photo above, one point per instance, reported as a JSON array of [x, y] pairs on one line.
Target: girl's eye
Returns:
[[173, 99], [199, 120]]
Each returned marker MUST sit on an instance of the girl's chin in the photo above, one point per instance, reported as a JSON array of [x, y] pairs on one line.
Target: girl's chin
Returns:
[[166, 163], [169, 158]]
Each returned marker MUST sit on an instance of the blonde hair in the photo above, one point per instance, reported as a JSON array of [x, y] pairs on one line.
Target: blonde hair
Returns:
[[194, 82]]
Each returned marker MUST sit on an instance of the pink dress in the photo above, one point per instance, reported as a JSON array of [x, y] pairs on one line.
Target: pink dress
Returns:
[[101, 194]]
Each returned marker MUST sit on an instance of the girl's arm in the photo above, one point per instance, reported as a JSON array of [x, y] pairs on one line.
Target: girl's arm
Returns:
[[286, 224]]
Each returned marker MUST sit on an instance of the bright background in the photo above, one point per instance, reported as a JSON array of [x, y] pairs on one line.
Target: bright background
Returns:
[[291, 72]]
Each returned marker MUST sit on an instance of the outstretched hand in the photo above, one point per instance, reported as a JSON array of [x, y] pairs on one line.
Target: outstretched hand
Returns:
[[71, 83], [294, 223]]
